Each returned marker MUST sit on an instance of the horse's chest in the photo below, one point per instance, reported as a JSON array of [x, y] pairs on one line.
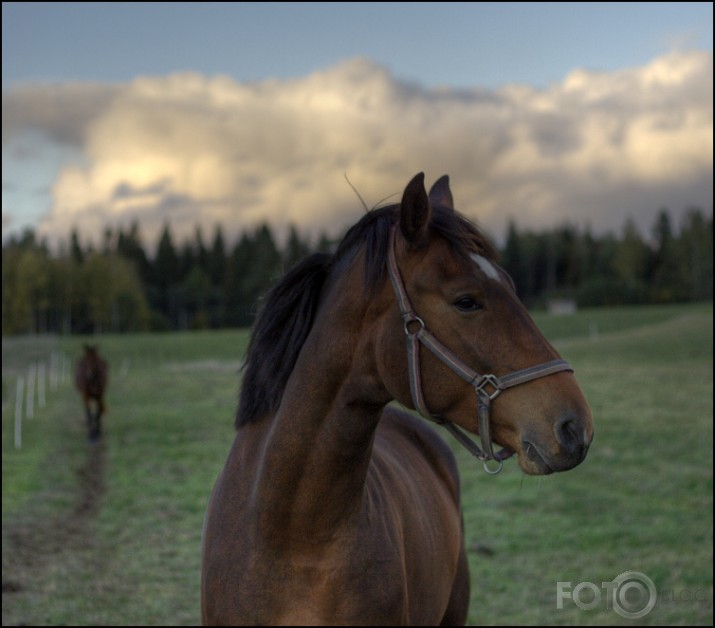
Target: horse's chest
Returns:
[[344, 586]]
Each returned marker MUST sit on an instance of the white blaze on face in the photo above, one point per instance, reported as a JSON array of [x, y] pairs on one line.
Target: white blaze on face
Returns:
[[489, 269]]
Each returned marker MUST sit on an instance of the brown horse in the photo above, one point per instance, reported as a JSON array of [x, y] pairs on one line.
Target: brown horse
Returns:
[[91, 381], [333, 508]]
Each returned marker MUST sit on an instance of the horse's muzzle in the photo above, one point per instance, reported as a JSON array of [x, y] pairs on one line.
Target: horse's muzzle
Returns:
[[571, 440]]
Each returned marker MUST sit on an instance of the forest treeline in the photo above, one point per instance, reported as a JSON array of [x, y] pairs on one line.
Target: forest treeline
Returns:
[[118, 287]]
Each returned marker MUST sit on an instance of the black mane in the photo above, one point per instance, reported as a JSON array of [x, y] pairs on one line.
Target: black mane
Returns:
[[288, 310]]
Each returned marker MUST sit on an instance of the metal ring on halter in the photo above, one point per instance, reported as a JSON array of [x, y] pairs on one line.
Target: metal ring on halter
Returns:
[[417, 320], [494, 471]]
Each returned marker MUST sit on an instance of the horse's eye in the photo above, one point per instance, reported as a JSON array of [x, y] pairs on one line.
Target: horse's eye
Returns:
[[467, 304]]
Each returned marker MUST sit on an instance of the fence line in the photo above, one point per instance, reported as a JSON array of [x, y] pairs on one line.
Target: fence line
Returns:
[[38, 374]]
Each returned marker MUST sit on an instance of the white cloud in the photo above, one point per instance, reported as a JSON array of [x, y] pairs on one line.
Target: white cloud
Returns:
[[191, 149]]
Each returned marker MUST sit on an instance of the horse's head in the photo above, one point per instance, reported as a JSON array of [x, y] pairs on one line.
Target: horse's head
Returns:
[[457, 292]]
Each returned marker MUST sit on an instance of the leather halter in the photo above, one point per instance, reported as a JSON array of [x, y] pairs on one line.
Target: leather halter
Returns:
[[488, 387]]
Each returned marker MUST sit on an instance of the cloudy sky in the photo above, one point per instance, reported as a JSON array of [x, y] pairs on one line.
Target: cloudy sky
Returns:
[[205, 113]]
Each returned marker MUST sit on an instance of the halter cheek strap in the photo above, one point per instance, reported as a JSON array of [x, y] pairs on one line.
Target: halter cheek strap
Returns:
[[487, 387]]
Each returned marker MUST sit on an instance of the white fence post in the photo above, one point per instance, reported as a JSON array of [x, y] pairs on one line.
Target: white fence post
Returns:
[[30, 402], [64, 376], [41, 401], [18, 411], [53, 371]]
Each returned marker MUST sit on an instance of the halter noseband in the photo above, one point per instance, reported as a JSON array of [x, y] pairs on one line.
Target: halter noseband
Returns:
[[488, 387]]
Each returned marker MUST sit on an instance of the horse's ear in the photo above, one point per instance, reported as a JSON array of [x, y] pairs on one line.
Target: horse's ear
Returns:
[[440, 194], [415, 211]]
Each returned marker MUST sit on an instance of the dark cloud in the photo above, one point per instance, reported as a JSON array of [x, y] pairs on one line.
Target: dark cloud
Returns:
[[64, 112]]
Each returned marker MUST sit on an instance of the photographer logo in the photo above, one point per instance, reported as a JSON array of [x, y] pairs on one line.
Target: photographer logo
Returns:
[[631, 594]]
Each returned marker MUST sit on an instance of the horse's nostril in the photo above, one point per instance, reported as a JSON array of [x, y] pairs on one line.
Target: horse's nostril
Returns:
[[569, 433]]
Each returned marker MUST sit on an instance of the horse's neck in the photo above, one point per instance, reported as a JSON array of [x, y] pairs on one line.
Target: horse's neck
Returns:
[[317, 448]]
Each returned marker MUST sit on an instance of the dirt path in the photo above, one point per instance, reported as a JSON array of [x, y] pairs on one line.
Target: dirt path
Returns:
[[37, 550]]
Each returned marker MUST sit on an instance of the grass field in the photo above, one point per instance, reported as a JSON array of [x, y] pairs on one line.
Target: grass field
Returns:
[[110, 534]]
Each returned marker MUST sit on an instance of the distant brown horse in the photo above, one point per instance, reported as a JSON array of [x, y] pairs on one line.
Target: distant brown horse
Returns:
[[333, 508], [91, 381]]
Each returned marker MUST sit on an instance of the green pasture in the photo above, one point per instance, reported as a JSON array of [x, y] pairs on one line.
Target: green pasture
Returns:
[[110, 534]]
